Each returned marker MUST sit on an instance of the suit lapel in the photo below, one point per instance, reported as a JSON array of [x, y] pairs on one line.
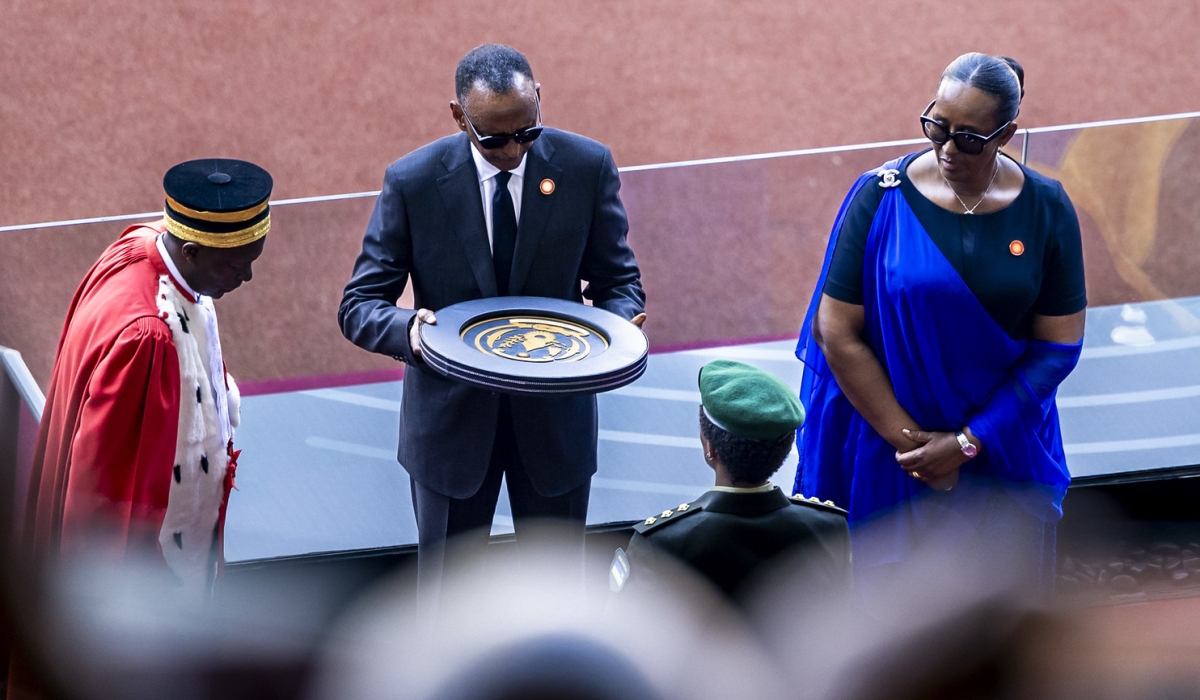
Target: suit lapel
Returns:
[[535, 209], [459, 188]]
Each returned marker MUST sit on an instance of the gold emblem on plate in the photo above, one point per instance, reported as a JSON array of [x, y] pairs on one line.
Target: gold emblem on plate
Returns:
[[534, 339]]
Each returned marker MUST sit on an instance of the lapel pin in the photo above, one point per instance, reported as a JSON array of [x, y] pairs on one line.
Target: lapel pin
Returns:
[[1016, 248], [546, 186]]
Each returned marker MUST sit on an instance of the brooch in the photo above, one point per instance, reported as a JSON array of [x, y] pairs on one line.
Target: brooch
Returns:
[[888, 179]]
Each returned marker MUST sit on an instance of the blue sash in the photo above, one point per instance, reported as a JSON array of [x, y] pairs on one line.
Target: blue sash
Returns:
[[951, 365]]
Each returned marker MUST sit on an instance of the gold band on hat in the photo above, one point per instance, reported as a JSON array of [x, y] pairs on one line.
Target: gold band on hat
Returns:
[[233, 239], [230, 217]]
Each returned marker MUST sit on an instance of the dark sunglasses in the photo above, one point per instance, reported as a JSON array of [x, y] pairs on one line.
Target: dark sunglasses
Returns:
[[493, 142], [967, 142]]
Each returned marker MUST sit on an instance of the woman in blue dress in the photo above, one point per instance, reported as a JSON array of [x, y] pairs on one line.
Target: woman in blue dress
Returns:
[[949, 308]]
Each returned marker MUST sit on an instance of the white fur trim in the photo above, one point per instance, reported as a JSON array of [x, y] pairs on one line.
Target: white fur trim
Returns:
[[188, 535]]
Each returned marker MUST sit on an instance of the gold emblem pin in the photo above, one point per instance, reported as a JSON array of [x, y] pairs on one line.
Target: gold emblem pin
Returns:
[[667, 514], [1016, 248], [651, 520], [683, 506], [546, 186]]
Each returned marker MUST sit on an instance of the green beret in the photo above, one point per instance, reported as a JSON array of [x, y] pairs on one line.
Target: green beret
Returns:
[[747, 401]]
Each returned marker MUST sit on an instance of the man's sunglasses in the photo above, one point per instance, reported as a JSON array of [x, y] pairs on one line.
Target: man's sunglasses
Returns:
[[498, 141], [967, 142]]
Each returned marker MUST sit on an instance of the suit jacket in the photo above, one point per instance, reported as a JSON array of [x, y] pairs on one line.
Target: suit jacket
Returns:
[[428, 226], [728, 537]]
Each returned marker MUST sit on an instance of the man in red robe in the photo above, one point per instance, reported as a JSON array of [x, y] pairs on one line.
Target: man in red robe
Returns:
[[135, 455]]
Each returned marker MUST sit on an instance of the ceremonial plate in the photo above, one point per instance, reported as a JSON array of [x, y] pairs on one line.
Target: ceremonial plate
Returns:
[[534, 345]]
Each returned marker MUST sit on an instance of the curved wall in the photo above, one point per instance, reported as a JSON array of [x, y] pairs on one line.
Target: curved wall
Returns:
[[99, 98]]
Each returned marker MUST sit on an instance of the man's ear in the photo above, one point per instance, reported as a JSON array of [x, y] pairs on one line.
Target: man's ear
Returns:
[[456, 111], [190, 251]]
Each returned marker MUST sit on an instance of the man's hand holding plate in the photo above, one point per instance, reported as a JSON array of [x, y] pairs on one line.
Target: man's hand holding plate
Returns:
[[414, 331]]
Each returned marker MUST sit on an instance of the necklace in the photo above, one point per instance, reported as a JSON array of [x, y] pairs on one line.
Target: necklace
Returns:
[[966, 209]]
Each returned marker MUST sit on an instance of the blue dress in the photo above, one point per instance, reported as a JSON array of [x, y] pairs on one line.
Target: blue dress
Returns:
[[951, 365]]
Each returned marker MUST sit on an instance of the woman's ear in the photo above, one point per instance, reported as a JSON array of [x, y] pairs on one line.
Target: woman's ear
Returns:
[[1010, 132]]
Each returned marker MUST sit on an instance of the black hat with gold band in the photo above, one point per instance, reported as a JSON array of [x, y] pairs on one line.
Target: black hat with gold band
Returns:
[[218, 202]]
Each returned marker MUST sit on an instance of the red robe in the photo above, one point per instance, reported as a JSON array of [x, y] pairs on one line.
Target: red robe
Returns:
[[106, 448]]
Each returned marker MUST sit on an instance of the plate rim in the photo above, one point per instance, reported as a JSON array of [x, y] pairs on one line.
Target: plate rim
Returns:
[[444, 339]]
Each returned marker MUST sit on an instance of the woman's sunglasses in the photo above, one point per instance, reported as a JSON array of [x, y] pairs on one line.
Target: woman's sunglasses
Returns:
[[965, 141], [497, 141]]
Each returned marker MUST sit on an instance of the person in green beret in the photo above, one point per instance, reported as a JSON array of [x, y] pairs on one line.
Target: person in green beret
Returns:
[[748, 422]]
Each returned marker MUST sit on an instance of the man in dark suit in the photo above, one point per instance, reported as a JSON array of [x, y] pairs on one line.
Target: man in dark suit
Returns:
[[507, 207], [748, 422]]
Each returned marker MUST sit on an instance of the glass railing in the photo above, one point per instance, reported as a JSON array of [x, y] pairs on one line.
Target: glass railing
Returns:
[[21, 404], [729, 251]]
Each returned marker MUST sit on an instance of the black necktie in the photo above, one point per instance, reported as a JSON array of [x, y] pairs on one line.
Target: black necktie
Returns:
[[504, 232]]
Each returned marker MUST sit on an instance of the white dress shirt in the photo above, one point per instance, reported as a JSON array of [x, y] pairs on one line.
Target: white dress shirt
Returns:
[[487, 186]]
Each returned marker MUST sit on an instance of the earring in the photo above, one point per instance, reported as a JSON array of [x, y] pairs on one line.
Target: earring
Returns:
[[708, 455]]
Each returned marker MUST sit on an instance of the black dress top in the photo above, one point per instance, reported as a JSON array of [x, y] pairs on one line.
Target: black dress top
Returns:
[[1046, 279]]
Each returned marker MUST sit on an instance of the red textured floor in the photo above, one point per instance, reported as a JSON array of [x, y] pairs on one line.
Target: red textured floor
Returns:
[[98, 98]]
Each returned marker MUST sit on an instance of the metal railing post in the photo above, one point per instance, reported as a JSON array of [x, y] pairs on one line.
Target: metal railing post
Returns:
[[19, 395]]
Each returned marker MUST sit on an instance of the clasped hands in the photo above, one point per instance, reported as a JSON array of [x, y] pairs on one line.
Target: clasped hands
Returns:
[[426, 316], [935, 461]]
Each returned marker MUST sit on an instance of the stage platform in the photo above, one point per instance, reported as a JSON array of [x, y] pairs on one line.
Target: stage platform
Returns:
[[319, 473], [730, 250]]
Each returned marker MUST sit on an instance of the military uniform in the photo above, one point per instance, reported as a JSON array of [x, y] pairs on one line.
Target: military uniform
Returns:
[[728, 534]]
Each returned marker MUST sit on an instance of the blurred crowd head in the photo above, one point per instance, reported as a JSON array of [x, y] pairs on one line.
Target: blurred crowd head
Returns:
[[524, 627], [518, 624]]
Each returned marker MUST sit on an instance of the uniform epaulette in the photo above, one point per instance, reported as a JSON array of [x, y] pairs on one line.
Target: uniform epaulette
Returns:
[[814, 502], [655, 522]]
